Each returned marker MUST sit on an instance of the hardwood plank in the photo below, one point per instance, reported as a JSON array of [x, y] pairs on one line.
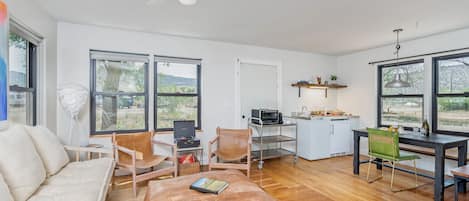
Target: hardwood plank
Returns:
[[329, 179]]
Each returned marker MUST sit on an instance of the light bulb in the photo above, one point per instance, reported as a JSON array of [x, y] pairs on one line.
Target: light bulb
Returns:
[[188, 2]]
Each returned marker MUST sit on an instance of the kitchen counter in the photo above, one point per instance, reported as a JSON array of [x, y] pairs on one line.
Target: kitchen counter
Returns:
[[319, 117], [325, 136]]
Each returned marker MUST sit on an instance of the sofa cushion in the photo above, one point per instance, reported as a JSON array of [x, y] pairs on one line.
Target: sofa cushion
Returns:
[[50, 149], [20, 164], [4, 191], [78, 181]]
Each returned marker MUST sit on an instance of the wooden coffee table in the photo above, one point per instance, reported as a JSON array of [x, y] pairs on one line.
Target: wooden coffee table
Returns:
[[177, 189]]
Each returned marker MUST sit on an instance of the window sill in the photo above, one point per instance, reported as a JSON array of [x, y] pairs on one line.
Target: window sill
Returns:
[[171, 132], [156, 133]]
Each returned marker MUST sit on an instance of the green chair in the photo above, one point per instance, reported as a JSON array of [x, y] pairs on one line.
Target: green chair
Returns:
[[384, 145]]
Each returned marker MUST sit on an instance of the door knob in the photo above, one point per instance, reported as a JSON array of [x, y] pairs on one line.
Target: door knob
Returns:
[[244, 117]]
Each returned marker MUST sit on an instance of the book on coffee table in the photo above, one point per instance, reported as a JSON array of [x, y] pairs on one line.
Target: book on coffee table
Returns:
[[206, 185]]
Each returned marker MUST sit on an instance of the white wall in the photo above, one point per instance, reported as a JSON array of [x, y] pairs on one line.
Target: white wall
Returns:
[[361, 96], [30, 14], [218, 67]]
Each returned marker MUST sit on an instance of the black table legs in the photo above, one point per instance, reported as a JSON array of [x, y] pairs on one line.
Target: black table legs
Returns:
[[356, 153], [462, 156], [439, 172], [379, 163]]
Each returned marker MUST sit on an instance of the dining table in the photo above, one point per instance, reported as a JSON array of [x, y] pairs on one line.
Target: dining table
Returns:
[[438, 142]]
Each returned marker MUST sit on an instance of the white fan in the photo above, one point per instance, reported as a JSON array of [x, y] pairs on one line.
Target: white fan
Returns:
[[183, 2]]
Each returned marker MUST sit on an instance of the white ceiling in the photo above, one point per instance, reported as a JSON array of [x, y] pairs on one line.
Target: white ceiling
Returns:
[[321, 26]]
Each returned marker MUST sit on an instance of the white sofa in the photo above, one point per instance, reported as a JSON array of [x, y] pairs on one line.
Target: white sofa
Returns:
[[35, 166]]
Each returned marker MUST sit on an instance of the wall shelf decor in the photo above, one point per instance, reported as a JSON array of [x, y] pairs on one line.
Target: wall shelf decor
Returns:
[[317, 86]]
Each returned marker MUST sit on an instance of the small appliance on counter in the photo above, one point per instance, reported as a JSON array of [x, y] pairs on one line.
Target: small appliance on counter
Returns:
[[266, 116], [184, 134]]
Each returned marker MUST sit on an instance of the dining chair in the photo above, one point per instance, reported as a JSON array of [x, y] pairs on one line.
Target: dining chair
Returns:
[[134, 153], [384, 145], [233, 147]]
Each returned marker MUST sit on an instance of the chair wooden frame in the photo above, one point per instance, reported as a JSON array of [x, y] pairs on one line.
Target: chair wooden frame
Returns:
[[239, 166], [88, 151], [134, 157]]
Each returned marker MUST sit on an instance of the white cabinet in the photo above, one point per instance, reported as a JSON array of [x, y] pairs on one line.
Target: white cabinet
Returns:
[[320, 138], [313, 139], [340, 136]]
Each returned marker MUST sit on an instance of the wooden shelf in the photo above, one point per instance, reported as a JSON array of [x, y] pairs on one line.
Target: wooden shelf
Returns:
[[317, 86], [312, 86]]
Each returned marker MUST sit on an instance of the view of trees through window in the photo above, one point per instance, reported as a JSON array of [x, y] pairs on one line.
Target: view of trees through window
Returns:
[[402, 106], [120, 95], [452, 101], [177, 95], [120, 92]]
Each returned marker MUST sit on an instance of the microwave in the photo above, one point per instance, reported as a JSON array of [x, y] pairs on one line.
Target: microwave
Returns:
[[266, 116]]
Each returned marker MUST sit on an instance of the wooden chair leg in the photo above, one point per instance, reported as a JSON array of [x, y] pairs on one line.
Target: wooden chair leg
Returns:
[[368, 172], [392, 175], [407, 188], [415, 172], [134, 182]]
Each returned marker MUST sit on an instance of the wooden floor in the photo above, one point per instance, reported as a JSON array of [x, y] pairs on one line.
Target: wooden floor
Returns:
[[329, 179]]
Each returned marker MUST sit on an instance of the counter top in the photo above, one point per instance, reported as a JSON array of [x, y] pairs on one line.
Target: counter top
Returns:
[[313, 117]]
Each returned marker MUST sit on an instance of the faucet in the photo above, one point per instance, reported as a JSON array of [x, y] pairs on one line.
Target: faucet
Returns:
[[304, 109]]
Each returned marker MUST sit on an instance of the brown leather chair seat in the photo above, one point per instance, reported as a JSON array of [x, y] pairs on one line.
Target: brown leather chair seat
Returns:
[[147, 162]]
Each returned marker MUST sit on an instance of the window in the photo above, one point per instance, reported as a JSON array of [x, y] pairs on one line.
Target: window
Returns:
[[119, 92], [177, 91], [451, 94], [22, 79], [401, 106]]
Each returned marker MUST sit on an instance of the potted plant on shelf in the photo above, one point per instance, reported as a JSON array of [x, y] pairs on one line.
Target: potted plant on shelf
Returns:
[[333, 79]]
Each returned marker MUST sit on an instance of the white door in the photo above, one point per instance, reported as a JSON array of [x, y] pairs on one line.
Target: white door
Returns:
[[258, 88]]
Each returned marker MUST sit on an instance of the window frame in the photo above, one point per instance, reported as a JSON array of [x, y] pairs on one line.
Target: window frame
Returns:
[[32, 65], [156, 94], [436, 94], [380, 95], [94, 93]]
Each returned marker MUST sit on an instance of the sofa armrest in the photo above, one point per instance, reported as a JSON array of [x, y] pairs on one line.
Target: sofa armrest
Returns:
[[88, 150]]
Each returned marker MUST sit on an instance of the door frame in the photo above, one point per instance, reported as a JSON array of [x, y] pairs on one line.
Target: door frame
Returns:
[[237, 97]]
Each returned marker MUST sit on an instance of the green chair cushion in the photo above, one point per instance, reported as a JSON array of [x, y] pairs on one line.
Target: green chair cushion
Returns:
[[403, 156]]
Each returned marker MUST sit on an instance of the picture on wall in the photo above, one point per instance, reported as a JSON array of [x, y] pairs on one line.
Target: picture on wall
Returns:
[[3, 61]]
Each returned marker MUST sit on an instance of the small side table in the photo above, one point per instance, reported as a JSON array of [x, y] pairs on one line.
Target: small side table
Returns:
[[90, 155], [197, 151]]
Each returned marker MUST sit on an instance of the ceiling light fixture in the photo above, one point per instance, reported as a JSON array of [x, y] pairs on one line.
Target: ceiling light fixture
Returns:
[[188, 2], [397, 82]]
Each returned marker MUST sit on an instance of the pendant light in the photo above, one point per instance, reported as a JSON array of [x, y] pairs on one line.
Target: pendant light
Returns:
[[188, 2], [397, 82]]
